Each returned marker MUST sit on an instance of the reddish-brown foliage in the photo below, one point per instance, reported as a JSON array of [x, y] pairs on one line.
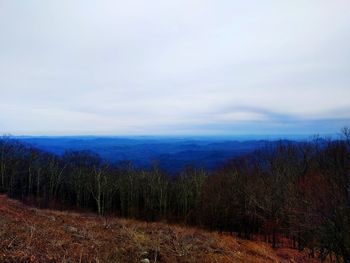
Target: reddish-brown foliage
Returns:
[[33, 235]]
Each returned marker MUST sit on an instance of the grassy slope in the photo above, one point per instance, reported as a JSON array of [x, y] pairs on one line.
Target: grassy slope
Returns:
[[34, 235]]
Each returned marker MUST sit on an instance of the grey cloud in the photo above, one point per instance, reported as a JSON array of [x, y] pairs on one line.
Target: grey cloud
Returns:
[[173, 66]]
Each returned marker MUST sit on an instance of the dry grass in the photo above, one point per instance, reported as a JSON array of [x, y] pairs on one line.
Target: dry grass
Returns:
[[34, 235]]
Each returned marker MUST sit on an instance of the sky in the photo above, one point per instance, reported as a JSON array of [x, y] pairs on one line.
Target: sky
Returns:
[[184, 67]]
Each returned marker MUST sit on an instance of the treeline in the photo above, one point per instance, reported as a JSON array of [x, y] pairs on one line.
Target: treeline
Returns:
[[298, 190]]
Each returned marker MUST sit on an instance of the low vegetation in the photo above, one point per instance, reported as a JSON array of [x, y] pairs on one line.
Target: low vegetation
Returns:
[[33, 235]]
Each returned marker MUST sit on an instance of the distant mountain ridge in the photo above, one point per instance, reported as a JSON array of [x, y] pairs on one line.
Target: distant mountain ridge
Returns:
[[171, 154]]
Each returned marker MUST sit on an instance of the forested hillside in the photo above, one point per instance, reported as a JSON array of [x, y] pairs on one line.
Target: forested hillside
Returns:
[[299, 192]]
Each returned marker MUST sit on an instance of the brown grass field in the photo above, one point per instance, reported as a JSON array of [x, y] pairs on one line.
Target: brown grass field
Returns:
[[33, 235]]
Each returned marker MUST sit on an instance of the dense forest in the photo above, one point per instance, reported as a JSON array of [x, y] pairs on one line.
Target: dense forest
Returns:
[[294, 190]]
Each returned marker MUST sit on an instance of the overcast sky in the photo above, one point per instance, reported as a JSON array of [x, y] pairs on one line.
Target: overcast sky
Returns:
[[112, 67]]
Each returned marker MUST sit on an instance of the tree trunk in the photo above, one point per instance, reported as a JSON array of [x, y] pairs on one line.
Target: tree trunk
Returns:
[[274, 238], [38, 184]]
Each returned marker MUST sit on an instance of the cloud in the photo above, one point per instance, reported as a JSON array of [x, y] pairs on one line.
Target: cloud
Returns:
[[113, 67]]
